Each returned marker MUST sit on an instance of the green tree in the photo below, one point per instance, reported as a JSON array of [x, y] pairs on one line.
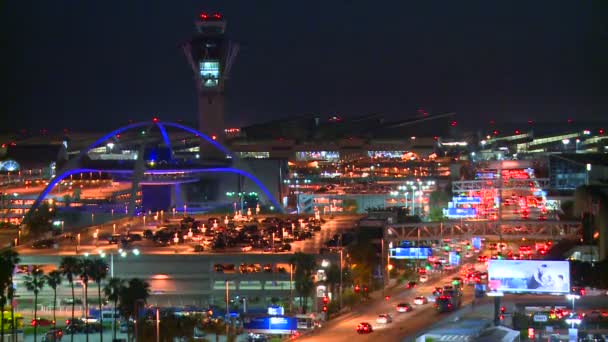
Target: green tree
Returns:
[[112, 291], [436, 214], [363, 257], [99, 272], [132, 296], [53, 279], [8, 260], [333, 278], [304, 266], [438, 200], [34, 282], [40, 220], [70, 267], [67, 200]]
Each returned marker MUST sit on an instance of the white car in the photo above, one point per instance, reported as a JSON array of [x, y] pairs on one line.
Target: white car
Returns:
[[89, 319], [424, 278], [384, 319], [420, 300]]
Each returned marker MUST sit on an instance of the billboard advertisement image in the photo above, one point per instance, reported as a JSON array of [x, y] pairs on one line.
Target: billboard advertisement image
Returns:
[[529, 276]]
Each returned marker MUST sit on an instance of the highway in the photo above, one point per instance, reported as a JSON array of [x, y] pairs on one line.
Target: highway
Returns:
[[404, 324]]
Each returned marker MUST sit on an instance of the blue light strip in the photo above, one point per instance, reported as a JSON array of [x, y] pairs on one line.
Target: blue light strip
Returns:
[[65, 174], [111, 134], [163, 132], [202, 135]]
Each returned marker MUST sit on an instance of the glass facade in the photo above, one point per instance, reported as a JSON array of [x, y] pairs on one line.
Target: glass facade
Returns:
[[331, 156], [210, 73]]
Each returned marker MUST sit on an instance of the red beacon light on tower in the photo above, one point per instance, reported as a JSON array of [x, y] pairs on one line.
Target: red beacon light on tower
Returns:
[[210, 17], [155, 119]]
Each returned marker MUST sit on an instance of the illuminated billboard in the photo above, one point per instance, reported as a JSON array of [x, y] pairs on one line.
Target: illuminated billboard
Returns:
[[530, 276], [410, 253]]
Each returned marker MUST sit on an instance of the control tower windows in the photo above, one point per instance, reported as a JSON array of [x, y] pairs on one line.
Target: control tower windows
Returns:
[[210, 73]]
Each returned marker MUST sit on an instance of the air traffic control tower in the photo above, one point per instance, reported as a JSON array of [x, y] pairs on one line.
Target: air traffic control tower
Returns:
[[210, 55]]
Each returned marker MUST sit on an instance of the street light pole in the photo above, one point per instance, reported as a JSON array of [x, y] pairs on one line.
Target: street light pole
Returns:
[[341, 251], [157, 325], [291, 288], [227, 308]]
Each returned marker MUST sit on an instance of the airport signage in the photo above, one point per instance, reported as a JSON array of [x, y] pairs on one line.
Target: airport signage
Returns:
[[410, 253], [467, 200], [460, 212], [454, 258], [271, 325], [529, 276], [476, 242], [276, 311]]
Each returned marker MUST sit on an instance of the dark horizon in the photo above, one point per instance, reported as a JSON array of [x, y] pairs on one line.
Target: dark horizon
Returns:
[[70, 63]]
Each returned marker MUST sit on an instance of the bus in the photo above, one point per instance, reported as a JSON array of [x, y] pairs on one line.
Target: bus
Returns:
[[7, 322]]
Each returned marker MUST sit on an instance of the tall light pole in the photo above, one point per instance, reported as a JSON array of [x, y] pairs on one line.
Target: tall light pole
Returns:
[[77, 242], [157, 324], [291, 287], [341, 251], [572, 297], [227, 307]]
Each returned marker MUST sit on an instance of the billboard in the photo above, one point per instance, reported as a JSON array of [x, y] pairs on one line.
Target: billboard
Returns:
[[410, 253], [531, 276]]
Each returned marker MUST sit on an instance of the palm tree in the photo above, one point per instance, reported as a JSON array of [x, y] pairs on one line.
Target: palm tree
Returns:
[[53, 279], [112, 291], [333, 278], [85, 275], [131, 296], [304, 265], [99, 271], [70, 268], [34, 281], [10, 260], [5, 275]]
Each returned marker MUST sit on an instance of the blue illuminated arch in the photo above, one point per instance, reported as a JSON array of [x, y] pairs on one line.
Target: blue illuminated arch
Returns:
[[111, 134], [163, 132], [67, 173], [202, 135]]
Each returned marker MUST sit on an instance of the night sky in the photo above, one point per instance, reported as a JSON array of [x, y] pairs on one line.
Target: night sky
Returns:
[[93, 65]]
